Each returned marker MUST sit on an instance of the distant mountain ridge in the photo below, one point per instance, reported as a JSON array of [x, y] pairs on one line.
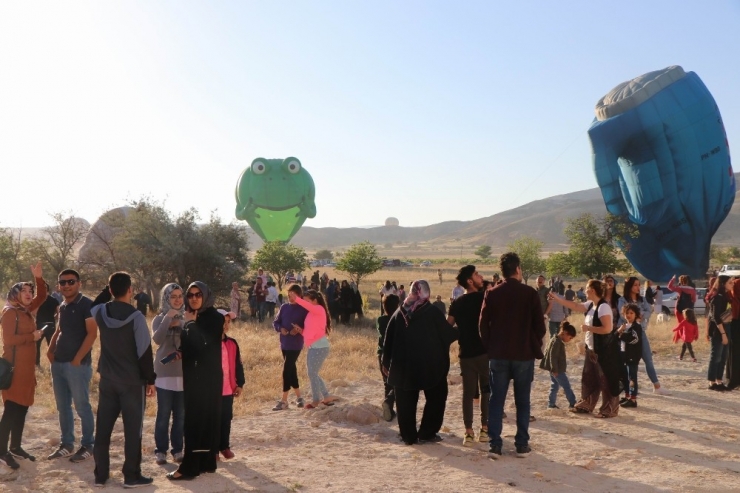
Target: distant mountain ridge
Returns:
[[542, 219]]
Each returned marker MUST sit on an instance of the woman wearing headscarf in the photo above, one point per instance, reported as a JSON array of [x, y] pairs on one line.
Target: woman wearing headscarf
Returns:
[[733, 358], [19, 347], [202, 382], [166, 328], [346, 300], [416, 357]]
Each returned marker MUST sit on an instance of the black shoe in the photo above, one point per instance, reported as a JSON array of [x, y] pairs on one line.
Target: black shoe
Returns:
[[100, 483], [522, 450], [434, 439], [19, 453], [9, 461], [721, 387], [495, 449], [623, 400], [629, 403], [140, 481]]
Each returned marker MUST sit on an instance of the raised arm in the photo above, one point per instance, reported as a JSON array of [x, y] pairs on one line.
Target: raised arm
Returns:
[[577, 307]]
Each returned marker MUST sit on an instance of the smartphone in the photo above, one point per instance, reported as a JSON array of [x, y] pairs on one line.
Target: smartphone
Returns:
[[169, 358]]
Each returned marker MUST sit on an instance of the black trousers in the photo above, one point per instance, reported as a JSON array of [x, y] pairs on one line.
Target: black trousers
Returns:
[[388, 393], [431, 418], [290, 371], [127, 401], [11, 426], [227, 413]]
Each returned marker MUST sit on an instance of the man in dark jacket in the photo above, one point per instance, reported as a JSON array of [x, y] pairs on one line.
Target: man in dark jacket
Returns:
[[416, 356], [511, 327], [126, 374]]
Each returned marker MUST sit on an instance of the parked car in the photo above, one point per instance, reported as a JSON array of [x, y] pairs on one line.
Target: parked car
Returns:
[[670, 299], [407, 264], [425, 263], [730, 270]]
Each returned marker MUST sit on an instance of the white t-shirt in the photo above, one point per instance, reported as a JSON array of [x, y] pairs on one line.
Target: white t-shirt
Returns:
[[604, 309]]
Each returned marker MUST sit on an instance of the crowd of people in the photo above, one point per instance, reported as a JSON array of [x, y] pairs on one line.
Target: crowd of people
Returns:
[[196, 371]]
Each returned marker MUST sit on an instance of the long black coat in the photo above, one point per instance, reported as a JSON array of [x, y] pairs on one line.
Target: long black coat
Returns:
[[418, 355], [203, 384]]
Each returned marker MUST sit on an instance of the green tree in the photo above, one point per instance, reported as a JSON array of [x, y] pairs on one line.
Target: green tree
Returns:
[[360, 260], [559, 263], [530, 255], [596, 243], [278, 258], [324, 254], [483, 251]]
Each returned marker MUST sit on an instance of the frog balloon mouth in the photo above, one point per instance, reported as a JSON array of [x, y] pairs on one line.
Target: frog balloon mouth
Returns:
[[277, 208]]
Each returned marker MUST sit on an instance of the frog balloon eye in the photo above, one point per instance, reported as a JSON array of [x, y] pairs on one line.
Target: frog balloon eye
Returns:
[[258, 168], [294, 167]]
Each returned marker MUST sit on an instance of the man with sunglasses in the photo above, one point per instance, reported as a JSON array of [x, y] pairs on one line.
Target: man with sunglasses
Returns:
[[70, 354]]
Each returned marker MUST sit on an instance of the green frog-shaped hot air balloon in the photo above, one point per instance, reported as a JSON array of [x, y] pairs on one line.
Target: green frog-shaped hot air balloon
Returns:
[[275, 196]]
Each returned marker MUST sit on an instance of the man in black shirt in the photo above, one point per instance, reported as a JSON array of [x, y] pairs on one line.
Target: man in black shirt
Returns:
[[46, 320], [464, 313], [142, 301]]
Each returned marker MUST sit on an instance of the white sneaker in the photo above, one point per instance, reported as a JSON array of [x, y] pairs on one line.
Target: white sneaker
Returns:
[[660, 391]]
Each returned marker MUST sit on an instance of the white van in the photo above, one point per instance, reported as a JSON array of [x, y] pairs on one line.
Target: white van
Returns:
[[731, 270]]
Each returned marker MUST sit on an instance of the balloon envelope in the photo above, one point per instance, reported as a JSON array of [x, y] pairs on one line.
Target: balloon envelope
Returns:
[[661, 157], [275, 196]]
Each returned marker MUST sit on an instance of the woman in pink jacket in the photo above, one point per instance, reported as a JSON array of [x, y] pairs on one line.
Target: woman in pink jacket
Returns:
[[315, 332]]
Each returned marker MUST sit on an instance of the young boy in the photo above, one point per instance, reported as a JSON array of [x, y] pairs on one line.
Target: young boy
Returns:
[[390, 305], [556, 363], [231, 363]]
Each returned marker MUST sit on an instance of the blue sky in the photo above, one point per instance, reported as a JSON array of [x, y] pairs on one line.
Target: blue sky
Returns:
[[426, 111]]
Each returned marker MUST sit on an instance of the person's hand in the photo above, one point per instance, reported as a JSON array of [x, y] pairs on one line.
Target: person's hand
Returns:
[[725, 341], [76, 361], [172, 313], [150, 391], [293, 331], [190, 316], [50, 355], [36, 270], [554, 373], [385, 371], [237, 392], [38, 334], [585, 328], [284, 331]]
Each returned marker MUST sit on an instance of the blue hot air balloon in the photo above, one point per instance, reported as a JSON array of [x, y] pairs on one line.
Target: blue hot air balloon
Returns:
[[661, 158]]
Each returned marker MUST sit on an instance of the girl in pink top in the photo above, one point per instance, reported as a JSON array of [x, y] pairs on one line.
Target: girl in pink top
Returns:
[[315, 332], [233, 382]]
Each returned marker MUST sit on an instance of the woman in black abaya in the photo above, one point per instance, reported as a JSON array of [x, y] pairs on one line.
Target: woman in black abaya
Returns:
[[202, 382]]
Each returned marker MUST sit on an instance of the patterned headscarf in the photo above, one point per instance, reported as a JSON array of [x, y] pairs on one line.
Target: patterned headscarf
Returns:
[[164, 302], [209, 299], [13, 298], [419, 294]]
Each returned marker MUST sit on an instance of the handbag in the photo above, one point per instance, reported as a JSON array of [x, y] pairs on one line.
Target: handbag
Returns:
[[6, 367], [726, 316]]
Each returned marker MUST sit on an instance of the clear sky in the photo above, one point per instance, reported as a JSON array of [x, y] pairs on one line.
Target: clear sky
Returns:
[[423, 110]]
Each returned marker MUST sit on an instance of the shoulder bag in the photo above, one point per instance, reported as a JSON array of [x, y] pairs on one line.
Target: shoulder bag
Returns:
[[6, 367]]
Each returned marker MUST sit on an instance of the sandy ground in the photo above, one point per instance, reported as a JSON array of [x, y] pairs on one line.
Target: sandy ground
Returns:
[[687, 441]]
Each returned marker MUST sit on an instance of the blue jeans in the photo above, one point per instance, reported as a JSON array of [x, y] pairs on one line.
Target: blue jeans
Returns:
[[72, 385], [717, 355], [314, 361], [500, 372], [561, 381], [647, 357], [261, 311], [169, 402], [629, 379], [554, 328]]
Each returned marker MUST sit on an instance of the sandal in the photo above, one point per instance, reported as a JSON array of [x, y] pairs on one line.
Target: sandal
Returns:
[[330, 403], [309, 406], [603, 416], [579, 410]]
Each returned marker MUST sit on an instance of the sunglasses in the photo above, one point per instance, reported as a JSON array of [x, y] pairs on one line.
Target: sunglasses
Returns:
[[64, 282], [194, 295]]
